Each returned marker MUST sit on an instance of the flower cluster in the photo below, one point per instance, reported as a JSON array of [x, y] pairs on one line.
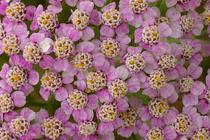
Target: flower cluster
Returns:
[[105, 70]]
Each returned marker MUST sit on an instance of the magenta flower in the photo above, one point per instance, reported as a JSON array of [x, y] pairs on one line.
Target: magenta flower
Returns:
[[156, 85], [16, 11], [130, 119], [11, 101], [45, 20], [204, 102], [156, 112], [86, 130], [184, 123], [36, 48], [19, 75], [191, 24], [166, 133], [63, 47], [87, 57], [81, 18], [107, 113], [24, 120], [138, 61], [188, 84], [172, 19], [202, 128], [80, 105], [59, 125], [184, 5], [13, 36], [136, 12], [189, 50], [151, 34], [108, 69], [59, 74], [82, 14]]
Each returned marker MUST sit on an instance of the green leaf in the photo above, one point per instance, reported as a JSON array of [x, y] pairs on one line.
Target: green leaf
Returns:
[[145, 99], [3, 59]]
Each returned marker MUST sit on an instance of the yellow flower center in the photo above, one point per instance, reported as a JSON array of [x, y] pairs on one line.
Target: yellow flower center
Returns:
[[157, 79], [111, 18], [158, 107], [80, 19], [107, 112], [182, 124], [52, 128], [155, 134], [19, 126]]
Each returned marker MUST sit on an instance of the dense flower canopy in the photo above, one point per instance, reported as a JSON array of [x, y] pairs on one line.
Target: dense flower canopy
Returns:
[[104, 69]]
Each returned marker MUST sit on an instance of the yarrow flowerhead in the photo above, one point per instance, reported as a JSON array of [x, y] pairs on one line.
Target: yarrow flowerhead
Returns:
[[80, 19], [51, 81], [19, 126], [47, 21], [182, 123], [135, 62], [87, 128], [64, 47], [16, 77], [10, 44], [107, 112], [138, 6], [82, 61], [32, 53], [52, 128], [158, 107], [6, 103], [96, 80], [77, 99], [5, 135], [155, 134], [101, 69], [110, 48], [157, 79], [16, 11], [111, 18], [150, 35], [129, 117]]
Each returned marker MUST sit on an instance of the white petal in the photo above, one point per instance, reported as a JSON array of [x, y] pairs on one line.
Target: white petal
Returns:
[[45, 45]]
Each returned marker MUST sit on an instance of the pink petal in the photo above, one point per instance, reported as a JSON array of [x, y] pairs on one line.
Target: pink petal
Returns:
[[99, 3], [66, 108], [190, 100], [208, 80], [28, 114], [92, 102], [19, 98], [195, 71], [127, 14], [86, 6], [44, 93], [88, 34], [125, 132], [164, 29], [165, 91], [198, 88], [61, 94], [33, 77], [71, 2], [171, 3]]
